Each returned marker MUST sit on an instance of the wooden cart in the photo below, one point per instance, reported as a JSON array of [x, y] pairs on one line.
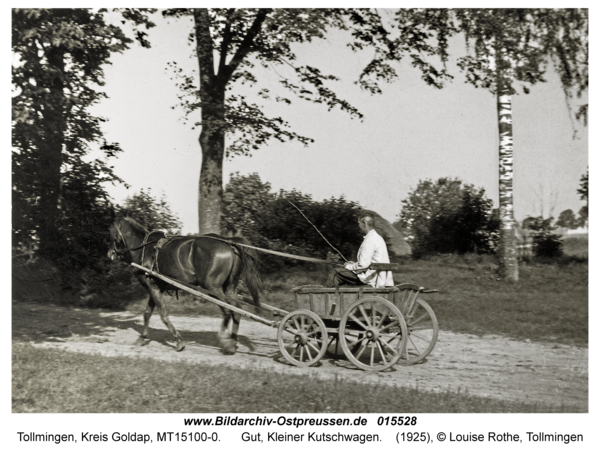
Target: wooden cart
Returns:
[[374, 327]]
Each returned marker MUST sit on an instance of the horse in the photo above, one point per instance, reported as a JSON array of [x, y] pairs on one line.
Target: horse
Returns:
[[214, 263]]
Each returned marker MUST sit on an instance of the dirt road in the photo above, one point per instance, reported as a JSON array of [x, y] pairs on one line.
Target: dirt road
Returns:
[[489, 366]]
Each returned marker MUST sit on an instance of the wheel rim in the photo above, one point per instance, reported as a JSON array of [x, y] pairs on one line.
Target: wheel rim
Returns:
[[422, 333], [302, 338], [373, 333]]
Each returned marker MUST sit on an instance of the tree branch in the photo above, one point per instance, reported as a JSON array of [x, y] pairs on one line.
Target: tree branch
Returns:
[[246, 45], [227, 35]]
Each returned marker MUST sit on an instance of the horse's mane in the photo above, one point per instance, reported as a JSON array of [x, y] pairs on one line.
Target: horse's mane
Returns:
[[137, 228]]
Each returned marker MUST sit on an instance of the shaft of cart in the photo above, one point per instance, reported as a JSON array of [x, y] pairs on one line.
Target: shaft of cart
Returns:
[[198, 292]]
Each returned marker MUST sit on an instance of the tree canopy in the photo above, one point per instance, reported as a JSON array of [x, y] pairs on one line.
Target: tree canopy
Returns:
[[152, 212], [229, 43], [447, 216], [56, 73]]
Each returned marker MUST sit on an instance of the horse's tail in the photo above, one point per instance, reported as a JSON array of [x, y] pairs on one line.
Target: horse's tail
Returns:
[[250, 273]]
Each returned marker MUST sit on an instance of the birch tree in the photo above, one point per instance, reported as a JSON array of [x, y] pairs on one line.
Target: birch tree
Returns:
[[510, 50]]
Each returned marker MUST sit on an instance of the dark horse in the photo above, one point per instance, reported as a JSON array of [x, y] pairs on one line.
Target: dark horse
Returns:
[[213, 262]]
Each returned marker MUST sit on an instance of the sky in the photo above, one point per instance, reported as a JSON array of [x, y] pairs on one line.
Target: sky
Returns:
[[410, 132]]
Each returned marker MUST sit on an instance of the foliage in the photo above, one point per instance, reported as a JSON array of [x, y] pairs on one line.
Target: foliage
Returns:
[[228, 43], [567, 219], [246, 199], [507, 48], [583, 190], [151, 212], [447, 216], [270, 220], [545, 243], [58, 200]]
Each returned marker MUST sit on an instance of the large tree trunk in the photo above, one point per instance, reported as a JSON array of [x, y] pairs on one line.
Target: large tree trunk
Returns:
[[212, 137], [507, 251], [50, 148], [210, 189]]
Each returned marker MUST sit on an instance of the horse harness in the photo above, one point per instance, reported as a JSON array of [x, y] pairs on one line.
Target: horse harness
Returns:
[[160, 243]]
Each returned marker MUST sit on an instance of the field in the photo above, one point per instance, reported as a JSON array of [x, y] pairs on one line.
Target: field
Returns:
[[549, 305]]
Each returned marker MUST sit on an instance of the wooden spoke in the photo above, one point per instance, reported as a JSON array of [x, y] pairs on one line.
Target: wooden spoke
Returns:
[[293, 332], [386, 343], [308, 351], [414, 322], [311, 345], [418, 337], [305, 345], [364, 313], [381, 352], [357, 335], [383, 317], [410, 339], [357, 321], [423, 333], [362, 349], [394, 323]]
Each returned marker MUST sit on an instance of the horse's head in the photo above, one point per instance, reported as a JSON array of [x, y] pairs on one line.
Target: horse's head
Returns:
[[117, 240], [124, 233]]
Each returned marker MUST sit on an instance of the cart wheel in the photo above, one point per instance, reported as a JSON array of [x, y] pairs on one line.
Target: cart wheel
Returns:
[[422, 333], [302, 338], [373, 333]]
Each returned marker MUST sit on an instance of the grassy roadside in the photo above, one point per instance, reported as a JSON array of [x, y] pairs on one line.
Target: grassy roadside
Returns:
[[55, 381], [549, 303]]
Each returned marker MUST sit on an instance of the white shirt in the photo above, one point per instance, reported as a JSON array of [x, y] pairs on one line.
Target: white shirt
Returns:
[[373, 250]]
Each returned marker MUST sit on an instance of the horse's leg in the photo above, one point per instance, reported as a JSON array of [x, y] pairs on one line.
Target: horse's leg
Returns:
[[229, 325], [163, 310], [143, 340], [224, 331], [232, 346], [231, 294]]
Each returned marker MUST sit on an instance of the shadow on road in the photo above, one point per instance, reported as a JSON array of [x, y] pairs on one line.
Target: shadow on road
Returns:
[[40, 323]]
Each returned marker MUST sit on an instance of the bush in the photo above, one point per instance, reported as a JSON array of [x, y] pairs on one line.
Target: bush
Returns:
[[448, 217], [152, 213], [275, 221], [545, 243]]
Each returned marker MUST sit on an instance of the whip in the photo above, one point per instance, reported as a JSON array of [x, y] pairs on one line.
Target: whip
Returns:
[[339, 253]]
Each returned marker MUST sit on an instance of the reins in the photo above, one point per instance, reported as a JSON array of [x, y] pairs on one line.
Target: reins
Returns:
[[130, 249], [273, 252], [231, 243]]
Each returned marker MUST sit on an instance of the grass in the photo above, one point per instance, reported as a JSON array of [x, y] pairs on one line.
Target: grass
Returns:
[[576, 245], [548, 303], [56, 381]]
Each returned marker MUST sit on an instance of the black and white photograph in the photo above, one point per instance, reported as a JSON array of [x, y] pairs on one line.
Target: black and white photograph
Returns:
[[300, 226]]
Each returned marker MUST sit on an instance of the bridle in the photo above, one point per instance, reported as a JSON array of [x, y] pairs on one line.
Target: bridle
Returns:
[[118, 252]]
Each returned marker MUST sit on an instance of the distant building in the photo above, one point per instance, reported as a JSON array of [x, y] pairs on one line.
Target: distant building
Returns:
[[393, 238]]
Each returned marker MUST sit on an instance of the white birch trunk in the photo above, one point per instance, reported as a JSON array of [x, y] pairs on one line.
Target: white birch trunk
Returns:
[[507, 250]]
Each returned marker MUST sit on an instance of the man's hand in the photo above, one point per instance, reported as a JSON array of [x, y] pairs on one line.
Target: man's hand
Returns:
[[349, 265]]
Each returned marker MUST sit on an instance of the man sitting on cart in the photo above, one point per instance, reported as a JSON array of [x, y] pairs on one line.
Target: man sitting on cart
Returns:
[[372, 250]]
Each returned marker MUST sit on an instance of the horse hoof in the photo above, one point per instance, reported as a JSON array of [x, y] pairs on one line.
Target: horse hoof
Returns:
[[180, 346], [230, 348], [141, 341]]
